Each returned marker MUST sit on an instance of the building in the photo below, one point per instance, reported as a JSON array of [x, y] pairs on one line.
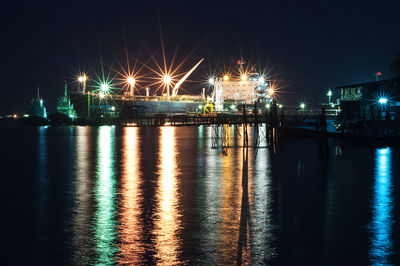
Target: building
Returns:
[[376, 100]]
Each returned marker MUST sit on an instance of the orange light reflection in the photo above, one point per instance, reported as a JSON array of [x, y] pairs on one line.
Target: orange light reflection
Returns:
[[130, 225], [167, 222]]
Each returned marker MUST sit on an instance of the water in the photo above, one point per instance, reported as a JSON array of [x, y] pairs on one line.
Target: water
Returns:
[[107, 195]]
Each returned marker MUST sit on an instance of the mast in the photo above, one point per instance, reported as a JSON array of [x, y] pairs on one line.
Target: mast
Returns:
[[65, 89]]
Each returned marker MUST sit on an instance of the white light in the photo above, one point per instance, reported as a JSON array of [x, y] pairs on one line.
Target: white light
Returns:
[[270, 91], [130, 80], [261, 80], [211, 81], [280, 106], [268, 105], [82, 78], [302, 105], [102, 95], [243, 77], [104, 87], [167, 79], [383, 100]]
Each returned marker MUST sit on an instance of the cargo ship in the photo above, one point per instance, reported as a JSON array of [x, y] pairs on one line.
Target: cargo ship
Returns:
[[228, 94]]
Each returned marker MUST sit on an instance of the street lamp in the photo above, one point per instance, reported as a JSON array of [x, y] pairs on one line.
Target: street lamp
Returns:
[[82, 79], [167, 81], [383, 100], [302, 106], [329, 94], [104, 87], [211, 81], [131, 82]]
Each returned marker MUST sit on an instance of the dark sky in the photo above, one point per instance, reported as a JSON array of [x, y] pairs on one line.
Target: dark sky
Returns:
[[308, 46]]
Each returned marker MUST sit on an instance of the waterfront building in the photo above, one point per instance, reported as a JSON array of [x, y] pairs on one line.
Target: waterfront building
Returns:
[[376, 100]]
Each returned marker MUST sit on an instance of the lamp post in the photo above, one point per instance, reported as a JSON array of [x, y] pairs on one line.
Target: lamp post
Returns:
[[377, 75], [329, 94], [131, 82], [82, 79], [167, 81], [302, 106]]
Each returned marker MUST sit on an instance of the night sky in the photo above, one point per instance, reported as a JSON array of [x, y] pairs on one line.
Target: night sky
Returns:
[[309, 46]]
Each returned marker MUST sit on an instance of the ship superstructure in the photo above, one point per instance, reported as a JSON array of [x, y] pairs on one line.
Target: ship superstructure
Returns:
[[64, 105], [36, 107], [245, 89]]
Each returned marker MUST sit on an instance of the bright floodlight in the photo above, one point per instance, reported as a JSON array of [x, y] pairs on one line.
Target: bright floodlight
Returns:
[[243, 77], [383, 100], [329, 93], [167, 79], [268, 105], [102, 95], [82, 78], [271, 91], [211, 81], [130, 80], [302, 105], [104, 87], [226, 77], [261, 80]]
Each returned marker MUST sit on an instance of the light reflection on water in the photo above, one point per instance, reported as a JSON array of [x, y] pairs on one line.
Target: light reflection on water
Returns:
[[229, 212], [382, 216], [130, 224], [167, 221], [83, 199], [42, 195], [129, 211], [264, 224], [105, 224]]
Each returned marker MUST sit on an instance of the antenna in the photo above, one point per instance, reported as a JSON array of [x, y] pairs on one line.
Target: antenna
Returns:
[[241, 62], [65, 89]]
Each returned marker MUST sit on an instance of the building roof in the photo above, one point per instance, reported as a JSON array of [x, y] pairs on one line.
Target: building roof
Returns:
[[368, 84]]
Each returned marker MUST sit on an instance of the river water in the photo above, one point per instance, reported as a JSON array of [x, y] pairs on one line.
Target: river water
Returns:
[[110, 195]]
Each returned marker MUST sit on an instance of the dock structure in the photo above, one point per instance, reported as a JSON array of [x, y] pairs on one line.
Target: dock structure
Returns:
[[274, 117]]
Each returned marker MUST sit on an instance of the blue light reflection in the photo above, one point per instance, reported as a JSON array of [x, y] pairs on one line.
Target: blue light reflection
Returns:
[[382, 206]]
